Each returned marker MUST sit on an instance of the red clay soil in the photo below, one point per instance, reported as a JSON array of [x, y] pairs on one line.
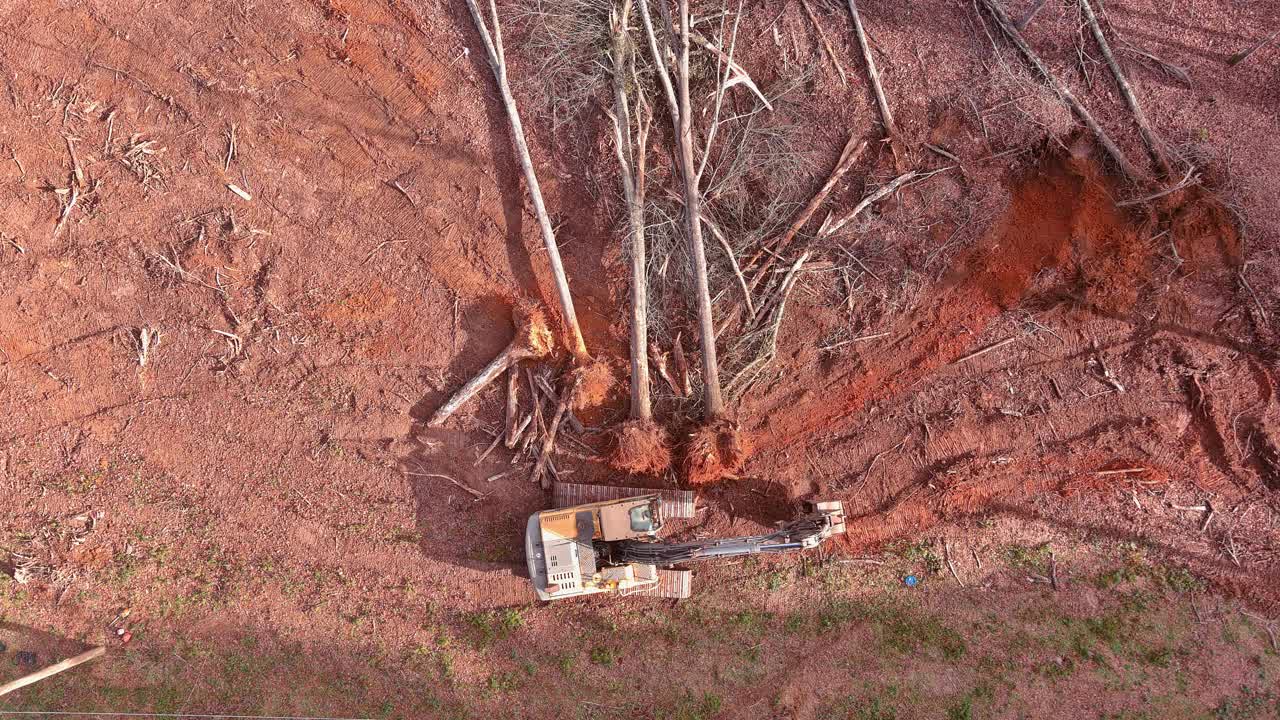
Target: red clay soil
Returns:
[[641, 448], [268, 455]]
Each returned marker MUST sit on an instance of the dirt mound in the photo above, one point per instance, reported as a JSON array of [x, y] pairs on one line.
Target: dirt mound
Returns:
[[641, 448], [1061, 229], [1063, 217], [714, 451], [1204, 232]]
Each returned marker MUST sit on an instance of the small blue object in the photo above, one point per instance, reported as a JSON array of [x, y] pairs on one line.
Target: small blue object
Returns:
[[911, 580]]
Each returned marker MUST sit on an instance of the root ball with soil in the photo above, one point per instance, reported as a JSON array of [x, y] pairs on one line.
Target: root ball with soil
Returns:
[[641, 448], [533, 339], [594, 381], [714, 451]]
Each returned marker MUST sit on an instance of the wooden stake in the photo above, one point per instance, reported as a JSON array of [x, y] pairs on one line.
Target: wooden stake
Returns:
[[497, 61], [52, 670], [1154, 144], [1005, 25]]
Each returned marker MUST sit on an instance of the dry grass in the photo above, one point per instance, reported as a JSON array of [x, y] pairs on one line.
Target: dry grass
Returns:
[[141, 157], [570, 39]]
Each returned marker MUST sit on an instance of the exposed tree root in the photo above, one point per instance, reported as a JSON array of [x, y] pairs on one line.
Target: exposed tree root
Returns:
[[714, 451], [641, 448]]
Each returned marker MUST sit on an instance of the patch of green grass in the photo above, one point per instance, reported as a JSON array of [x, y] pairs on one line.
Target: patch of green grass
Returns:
[[565, 662], [126, 567], [920, 552], [752, 621], [1248, 704], [1119, 629], [604, 656], [1182, 580], [880, 706], [691, 707], [493, 625], [962, 709], [1056, 668], [501, 682], [796, 623], [836, 614], [777, 580], [1026, 557], [910, 630], [1124, 574], [1160, 657], [447, 671]]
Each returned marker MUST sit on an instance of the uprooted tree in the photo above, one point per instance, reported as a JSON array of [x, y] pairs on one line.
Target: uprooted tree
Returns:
[[591, 379], [718, 447], [641, 443]]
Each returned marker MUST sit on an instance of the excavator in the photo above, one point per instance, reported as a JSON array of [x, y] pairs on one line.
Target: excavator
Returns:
[[612, 546]]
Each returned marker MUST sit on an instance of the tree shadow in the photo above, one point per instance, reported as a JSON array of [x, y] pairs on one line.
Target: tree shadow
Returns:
[[47, 648], [508, 174]]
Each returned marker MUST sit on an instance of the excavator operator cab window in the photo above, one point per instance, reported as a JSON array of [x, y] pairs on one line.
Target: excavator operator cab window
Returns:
[[642, 519]]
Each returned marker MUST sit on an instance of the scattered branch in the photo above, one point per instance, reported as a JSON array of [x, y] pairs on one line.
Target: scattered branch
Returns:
[[1006, 26], [470, 490], [1244, 55], [826, 43], [52, 670], [946, 551], [539, 474], [983, 351], [1191, 178], [1154, 144], [1177, 72], [510, 428], [739, 73], [848, 156], [831, 227], [885, 114]]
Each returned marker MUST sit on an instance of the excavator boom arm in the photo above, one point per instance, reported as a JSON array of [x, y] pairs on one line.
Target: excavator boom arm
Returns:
[[798, 534]]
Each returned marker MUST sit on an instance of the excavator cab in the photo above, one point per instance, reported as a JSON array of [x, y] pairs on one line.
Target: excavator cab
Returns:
[[560, 546], [612, 546]]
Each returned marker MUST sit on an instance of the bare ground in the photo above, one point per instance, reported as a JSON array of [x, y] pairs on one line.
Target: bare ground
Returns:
[[269, 507]]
